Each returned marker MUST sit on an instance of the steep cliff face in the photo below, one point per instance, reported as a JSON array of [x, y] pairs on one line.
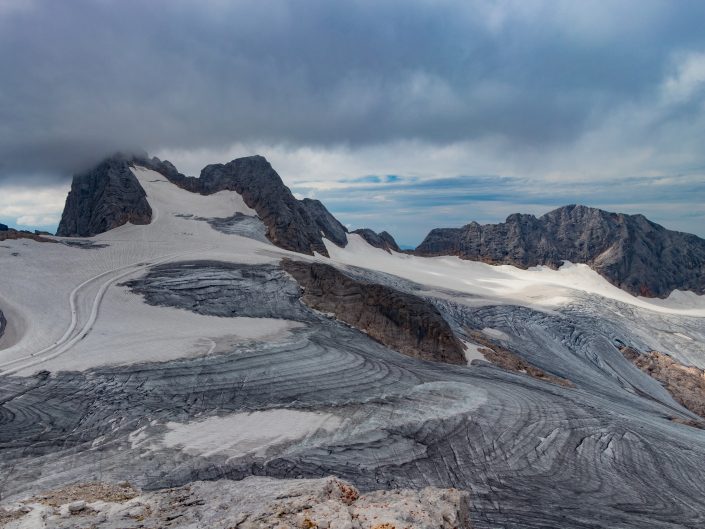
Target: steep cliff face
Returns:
[[401, 321], [630, 251], [104, 198], [297, 225], [110, 195]]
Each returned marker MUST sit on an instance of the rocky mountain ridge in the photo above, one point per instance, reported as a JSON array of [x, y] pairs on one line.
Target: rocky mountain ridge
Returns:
[[633, 253], [630, 251]]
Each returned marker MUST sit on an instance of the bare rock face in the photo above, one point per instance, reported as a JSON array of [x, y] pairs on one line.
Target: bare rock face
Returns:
[[12, 234], [103, 198], [382, 240], [630, 251], [253, 503], [297, 225], [685, 383], [401, 321], [3, 324]]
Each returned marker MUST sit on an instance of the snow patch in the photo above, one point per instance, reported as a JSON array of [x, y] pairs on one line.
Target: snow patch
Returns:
[[241, 434]]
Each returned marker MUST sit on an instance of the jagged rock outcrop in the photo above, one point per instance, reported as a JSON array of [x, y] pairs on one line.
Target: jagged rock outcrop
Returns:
[[630, 251], [252, 503], [109, 196], [103, 198], [292, 224], [382, 240], [685, 383], [401, 321]]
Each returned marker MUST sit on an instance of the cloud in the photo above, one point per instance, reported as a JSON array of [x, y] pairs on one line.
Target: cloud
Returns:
[[551, 95], [183, 74], [31, 207]]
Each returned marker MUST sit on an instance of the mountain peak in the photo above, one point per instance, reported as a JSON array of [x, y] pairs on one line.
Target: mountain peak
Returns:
[[110, 195], [630, 251]]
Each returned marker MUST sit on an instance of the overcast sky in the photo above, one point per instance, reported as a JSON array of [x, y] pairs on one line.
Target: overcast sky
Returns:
[[399, 115]]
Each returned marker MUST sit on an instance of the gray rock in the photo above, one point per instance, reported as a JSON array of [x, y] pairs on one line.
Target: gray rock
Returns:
[[382, 240], [104, 198], [630, 251], [3, 324], [109, 195], [401, 321], [297, 225], [77, 506]]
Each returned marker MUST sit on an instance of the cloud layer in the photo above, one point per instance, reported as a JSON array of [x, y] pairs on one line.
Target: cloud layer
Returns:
[[539, 92]]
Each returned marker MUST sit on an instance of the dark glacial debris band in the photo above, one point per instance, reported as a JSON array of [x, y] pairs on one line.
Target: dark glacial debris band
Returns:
[[401, 321], [631, 252]]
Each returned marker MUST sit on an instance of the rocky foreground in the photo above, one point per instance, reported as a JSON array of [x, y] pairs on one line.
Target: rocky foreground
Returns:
[[253, 503]]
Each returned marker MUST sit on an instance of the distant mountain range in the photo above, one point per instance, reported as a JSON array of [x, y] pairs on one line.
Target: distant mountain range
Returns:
[[633, 253]]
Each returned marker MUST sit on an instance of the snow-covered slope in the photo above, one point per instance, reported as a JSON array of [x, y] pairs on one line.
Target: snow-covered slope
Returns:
[[174, 352], [537, 286]]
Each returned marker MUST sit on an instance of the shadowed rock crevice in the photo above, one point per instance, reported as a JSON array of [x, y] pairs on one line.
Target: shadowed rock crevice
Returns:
[[399, 320], [3, 324], [630, 251]]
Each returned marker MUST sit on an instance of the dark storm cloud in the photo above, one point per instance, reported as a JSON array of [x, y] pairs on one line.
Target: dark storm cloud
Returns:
[[85, 77]]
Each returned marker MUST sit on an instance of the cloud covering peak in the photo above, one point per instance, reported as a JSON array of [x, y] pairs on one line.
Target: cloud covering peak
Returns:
[[530, 89]]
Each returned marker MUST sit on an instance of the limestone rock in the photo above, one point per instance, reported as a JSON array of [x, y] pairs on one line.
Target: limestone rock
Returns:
[[399, 320], [297, 225], [257, 502], [685, 383], [382, 240], [103, 198], [630, 251]]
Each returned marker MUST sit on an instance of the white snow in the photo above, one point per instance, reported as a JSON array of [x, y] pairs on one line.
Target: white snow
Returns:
[[240, 434], [541, 286], [472, 352], [59, 300], [65, 310]]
